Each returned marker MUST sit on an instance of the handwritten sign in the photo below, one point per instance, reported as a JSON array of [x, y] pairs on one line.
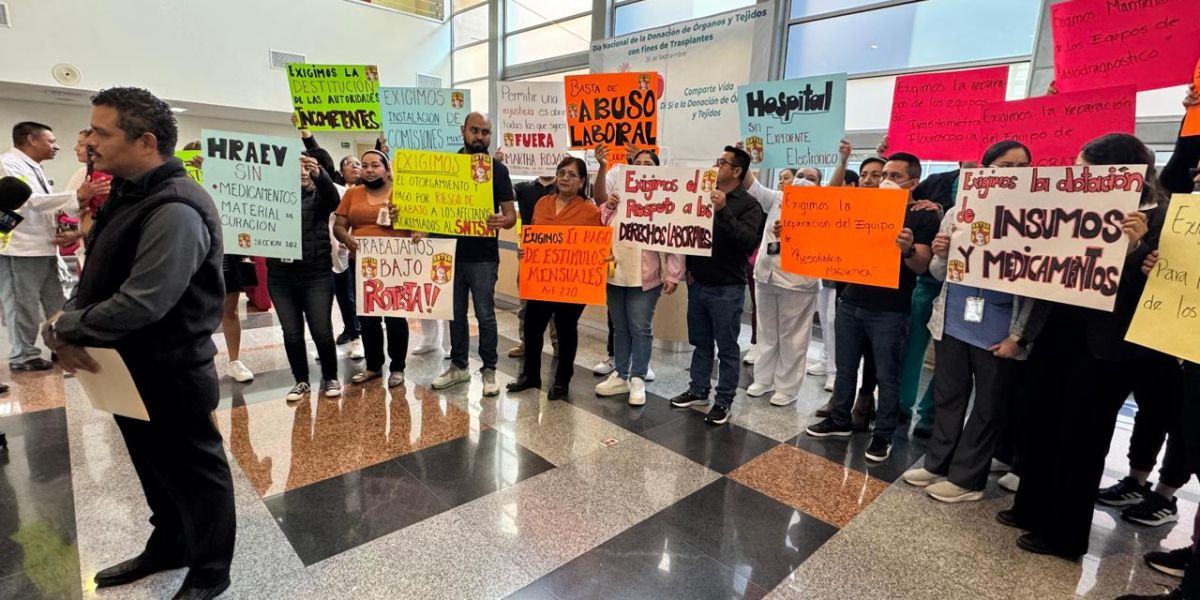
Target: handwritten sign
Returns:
[[666, 209], [439, 192], [1056, 127], [794, 123], [424, 118], [565, 264], [1168, 317], [1051, 232], [937, 116], [843, 234], [186, 156], [336, 97], [255, 182], [1103, 43], [532, 126], [617, 109], [400, 277], [1191, 120]]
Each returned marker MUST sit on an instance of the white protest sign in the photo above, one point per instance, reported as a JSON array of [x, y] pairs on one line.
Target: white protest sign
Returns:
[[667, 209], [400, 277]]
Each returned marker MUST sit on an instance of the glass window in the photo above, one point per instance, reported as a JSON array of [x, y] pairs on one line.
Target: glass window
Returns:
[[912, 37], [481, 94], [461, 5], [558, 76], [648, 14], [522, 14], [547, 42], [471, 63], [471, 26], [808, 8]]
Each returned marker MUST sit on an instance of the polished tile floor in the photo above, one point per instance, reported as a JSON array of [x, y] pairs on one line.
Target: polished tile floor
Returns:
[[414, 493]]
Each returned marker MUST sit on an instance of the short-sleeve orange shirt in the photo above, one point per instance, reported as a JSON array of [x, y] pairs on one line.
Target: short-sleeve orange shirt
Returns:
[[363, 216]]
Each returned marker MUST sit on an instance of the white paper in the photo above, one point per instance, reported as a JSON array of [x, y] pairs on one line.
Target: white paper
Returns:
[[112, 389]]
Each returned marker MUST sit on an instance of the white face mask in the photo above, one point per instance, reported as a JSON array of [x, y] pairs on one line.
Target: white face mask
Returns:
[[888, 184], [803, 182]]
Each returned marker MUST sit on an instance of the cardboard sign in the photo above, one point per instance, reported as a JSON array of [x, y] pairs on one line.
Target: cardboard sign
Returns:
[[1051, 232], [439, 192], [936, 116], [1104, 43], [424, 118], [794, 123], [1168, 317], [400, 277], [666, 209], [843, 233], [565, 264], [617, 109], [255, 182], [336, 97], [1056, 127], [532, 126], [186, 156], [1191, 120]]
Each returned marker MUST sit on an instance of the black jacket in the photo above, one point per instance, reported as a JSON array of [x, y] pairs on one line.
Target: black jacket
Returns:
[[316, 205], [737, 231]]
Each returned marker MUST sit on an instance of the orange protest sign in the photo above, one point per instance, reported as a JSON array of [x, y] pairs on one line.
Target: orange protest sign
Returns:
[[1191, 122], [843, 234], [617, 109], [565, 264]]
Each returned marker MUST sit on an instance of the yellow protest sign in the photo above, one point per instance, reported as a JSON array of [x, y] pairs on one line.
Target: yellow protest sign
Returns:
[[441, 192], [1168, 315]]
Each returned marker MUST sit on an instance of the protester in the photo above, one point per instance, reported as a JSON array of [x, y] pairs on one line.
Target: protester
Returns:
[[14, 193], [786, 177], [87, 174]]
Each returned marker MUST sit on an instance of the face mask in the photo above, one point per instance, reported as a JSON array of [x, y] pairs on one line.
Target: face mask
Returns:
[[888, 184], [373, 184]]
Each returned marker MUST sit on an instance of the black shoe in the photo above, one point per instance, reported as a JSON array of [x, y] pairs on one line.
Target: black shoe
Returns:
[[880, 449], [1031, 542], [1152, 511], [3, 388], [346, 337], [828, 428], [1008, 518], [522, 383], [558, 391], [717, 415], [195, 592], [1125, 492], [826, 410], [1173, 563], [3, 442], [1175, 594], [37, 364], [687, 399], [140, 566]]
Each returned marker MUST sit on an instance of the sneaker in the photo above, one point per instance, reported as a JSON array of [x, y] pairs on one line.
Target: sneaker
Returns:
[[818, 369], [345, 338], [452, 377], [490, 387], [1175, 594], [239, 373], [717, 415], [686, 400], [879, 450], [758, 389], [650, 376], [299, 392], [782, 399], [603, 368], [1010, 481], [921, 477], [1173, 563], [637, 391], [613, 386], [332, 388], [516, 351], [1125, 492], [365, 376], [830, 379], [1152, 511], [827, 428], [751, 356], [395, 379], [356, 350], [999, 466], [944, 491]]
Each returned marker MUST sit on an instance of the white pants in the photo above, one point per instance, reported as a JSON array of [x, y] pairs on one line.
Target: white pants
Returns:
[[827, 308], [432, 333], [785, 319]]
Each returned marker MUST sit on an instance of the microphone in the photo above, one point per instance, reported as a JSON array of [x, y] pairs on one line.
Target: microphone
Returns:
[[13, 195]]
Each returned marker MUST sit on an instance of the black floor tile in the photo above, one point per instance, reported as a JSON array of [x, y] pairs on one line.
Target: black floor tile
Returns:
[[721, 448], [533, 591], [850, 453], [462, 470]]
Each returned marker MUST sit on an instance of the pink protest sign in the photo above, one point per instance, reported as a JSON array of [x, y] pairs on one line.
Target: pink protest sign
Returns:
[[1055, 127], [936, 115]]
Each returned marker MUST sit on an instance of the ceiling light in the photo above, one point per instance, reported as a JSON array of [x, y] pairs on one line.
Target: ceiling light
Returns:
[[176, 109]]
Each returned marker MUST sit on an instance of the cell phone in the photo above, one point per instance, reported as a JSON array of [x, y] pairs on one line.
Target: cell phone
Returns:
[[773, 248]]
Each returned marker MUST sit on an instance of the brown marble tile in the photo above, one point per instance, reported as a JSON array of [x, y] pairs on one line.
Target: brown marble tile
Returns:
[[282, 447], [31, 392], [819, 487]]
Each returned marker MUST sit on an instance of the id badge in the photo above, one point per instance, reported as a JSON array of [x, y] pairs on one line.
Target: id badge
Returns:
[[384, 218], [772, 248], [973, 312]]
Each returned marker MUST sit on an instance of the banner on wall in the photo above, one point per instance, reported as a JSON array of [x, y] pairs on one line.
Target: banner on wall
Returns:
[[617, 109], [793, 123], [565, 264], [1055, 127], [441, 192], [842, 233], [419, 118], [1052, 233], [336, 97], [1168, 315], [255, 182], [701, 62], [401, 277], [666, 209], [937, 116], [531, 126]]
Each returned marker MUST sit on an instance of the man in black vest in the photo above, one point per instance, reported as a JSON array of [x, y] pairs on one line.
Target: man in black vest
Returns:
[[152, 289]]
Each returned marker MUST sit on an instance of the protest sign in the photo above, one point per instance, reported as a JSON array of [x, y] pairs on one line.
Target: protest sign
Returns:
[[532, 126], [401, 277], [1055, 127], [186, 157], [1191, 120], [335, 97], [424, 118], [439, 192], [1104, 43], [1168, 315], [794, 123], [937, 116], [1044, 232], [666, 209], [843, 233], [617, 109], [255, 182], [565, 264]]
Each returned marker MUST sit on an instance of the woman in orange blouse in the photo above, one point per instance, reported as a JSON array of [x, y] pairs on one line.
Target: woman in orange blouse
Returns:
[[567, 207]]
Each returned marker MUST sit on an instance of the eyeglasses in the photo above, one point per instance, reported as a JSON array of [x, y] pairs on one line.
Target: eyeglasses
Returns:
[[565, 174], [720, 162]]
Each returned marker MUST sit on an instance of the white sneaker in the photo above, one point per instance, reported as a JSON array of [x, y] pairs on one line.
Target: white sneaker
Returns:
[[999, 466], [613, 386], [751, 356], [818, 369], [238, 372], [425, 349], [490, 387], [605, 367], [637, 392], [649, 373], [949, 493], [921, 477], [451, 377], [1010, 481], [782, 399], [299, 392], [757, 389], [356, 349], [333, 388], [830, 379]]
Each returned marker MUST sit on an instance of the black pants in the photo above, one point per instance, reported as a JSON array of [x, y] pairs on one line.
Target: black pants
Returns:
[[1159, 399], [538, 314], [397, 342], [611, 337], [343, 291], [180, 461], [869, 383], [300, 297]]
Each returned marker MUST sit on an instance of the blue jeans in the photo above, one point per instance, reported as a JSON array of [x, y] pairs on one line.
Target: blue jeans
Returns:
[[343, 291], [631, 310], [478, 279], [883, 332], [714, 316]]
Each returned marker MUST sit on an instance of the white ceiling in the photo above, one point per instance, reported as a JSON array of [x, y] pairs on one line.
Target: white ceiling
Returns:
[[82, 97]]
